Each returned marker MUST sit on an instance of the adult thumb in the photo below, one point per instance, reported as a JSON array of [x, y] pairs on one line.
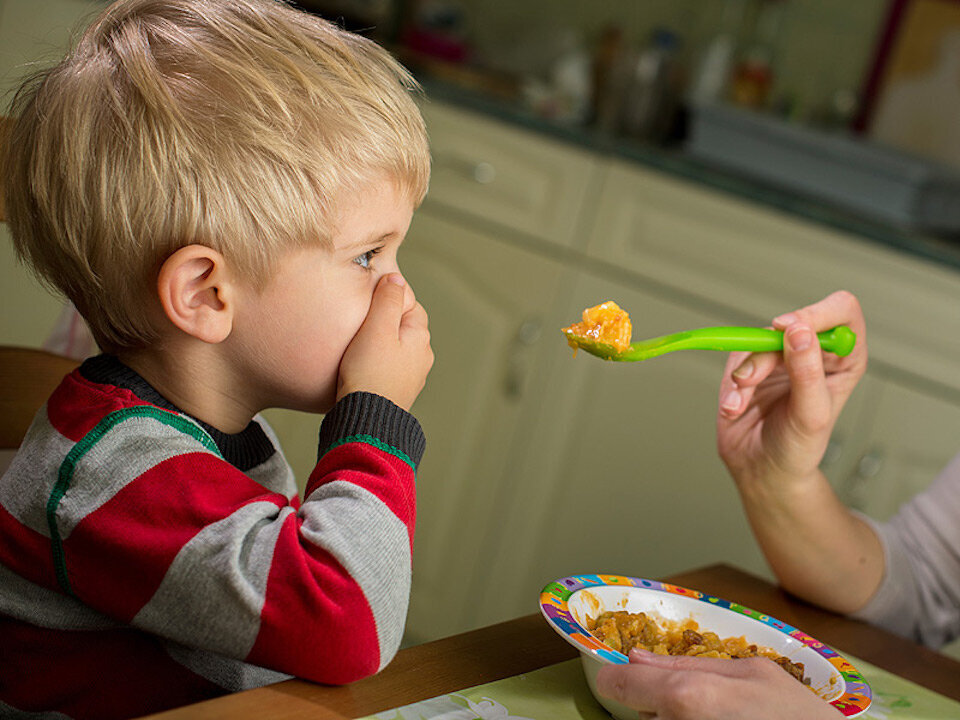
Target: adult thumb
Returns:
[[809, 394]]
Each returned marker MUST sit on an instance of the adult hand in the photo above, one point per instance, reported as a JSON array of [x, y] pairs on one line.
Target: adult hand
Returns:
[[694, 688], [390, 355], [777, 411]]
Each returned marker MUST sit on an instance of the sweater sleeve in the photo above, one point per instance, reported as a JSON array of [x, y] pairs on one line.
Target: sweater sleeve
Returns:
[[185, 546], [919, 596]]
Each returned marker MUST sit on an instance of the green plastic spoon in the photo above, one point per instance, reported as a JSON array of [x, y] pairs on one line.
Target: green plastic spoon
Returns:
[[839, 341]]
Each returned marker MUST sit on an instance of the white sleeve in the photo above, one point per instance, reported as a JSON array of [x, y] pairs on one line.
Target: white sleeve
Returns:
[[919, 596]]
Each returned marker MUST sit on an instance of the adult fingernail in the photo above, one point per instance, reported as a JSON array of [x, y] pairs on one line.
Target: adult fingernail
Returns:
[[731, 402], [785, 320], [744, 371], [800, 338]]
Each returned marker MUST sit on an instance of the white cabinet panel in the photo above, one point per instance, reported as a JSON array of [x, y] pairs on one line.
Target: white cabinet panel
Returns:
[[761, 262], [487, 303], [621, 474], [507, 176]]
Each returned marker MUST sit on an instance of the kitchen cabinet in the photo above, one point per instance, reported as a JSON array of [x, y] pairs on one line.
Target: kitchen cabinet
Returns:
[[490, 289], [621, 475], [588, 466], [910, 436], [488, 302]]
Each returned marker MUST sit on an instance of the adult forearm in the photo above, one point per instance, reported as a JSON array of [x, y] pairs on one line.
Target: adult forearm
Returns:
[[815, 546]]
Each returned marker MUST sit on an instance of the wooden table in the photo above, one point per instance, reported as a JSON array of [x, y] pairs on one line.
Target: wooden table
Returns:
[[528, 643]]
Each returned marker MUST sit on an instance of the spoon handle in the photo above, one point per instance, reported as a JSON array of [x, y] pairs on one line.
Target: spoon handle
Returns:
[[839, 341]]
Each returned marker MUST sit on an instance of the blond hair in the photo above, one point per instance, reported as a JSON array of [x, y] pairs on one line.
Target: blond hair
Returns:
[[235, 124]]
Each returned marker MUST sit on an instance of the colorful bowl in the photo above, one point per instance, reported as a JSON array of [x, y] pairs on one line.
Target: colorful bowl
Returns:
[[568, 602]]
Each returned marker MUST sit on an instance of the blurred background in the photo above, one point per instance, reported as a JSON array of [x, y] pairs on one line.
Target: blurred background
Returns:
[[701, 162]]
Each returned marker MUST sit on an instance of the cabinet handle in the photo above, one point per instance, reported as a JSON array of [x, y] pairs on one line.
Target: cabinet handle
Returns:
[[870, 465], [484, 173], [480, 171], [523, 341]]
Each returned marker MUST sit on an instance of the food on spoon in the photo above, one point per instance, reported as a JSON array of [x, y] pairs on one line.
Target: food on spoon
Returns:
[[606, 323], [623, 631]]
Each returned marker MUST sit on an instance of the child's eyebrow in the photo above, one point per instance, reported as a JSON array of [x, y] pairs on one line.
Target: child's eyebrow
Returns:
[[372, 240]]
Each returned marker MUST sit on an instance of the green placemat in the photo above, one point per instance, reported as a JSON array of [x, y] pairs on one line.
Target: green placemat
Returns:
[[559, 691]]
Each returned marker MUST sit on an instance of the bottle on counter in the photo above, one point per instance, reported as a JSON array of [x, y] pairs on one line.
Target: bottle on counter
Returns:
[[711, 81], [611, 70], [652, 97], [754, 74]]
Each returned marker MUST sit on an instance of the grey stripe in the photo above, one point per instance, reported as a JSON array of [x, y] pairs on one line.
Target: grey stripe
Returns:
[[372, 544], [213, 592], [228, 673], [37, 605], [32, 474], [122, 455], [275, 474]]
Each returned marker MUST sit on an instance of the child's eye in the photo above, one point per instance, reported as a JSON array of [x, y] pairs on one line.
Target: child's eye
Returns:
[[367, 258]]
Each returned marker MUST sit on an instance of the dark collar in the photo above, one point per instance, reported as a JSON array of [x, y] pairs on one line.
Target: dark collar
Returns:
[[244, 450]]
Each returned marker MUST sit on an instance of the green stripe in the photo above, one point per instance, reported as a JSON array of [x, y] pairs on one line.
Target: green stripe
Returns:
[[69, 465], [377, 443]]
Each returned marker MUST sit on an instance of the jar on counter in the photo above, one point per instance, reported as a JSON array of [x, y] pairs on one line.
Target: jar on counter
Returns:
[[652, 98]]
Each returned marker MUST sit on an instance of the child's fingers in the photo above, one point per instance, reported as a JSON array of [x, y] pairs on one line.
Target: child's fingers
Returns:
[[388, 303], [414, 319]]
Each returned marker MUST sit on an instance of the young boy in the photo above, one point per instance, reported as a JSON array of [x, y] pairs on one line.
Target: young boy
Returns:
[[220, 187]]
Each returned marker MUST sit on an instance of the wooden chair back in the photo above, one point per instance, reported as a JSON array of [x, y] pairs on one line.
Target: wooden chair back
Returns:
[[27, 378]]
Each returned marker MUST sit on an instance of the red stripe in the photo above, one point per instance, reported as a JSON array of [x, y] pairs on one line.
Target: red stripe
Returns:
[[77, 405], [102, 674], [26, 552], [118, 554], [315, 622], [385, 475]]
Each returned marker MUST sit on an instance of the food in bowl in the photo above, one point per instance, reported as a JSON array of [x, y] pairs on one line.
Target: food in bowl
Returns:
[[607, 323], [623, 631], [568, 604]]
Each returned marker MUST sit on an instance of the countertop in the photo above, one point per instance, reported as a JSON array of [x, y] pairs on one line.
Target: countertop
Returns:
[[674, 161], [528, 643]]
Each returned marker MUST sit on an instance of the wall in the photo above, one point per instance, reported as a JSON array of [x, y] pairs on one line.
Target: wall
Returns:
[[38, 31]]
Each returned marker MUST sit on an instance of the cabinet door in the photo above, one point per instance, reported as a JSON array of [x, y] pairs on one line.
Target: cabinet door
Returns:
[[621, 474], [487, 302], [911, 436]]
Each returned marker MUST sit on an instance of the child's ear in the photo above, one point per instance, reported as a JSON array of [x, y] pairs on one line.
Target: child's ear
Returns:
[[196, 293]]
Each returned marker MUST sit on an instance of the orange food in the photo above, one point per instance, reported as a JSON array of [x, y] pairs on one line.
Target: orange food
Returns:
[[623, 631], [606, 323]]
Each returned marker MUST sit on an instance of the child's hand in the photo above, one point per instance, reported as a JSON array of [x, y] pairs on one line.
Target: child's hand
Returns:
[[777, 411], [390, 355]]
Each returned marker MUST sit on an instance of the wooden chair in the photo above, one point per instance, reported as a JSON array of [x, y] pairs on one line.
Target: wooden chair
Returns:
[[27, 377]]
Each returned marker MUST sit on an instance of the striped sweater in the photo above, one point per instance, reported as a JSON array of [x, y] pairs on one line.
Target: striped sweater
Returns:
[[148, 560]]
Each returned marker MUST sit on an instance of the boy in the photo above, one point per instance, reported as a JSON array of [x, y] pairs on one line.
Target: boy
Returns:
[[220, 187]]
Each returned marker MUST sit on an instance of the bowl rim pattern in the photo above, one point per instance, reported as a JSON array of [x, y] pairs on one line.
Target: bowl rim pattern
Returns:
[[855, 698]]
